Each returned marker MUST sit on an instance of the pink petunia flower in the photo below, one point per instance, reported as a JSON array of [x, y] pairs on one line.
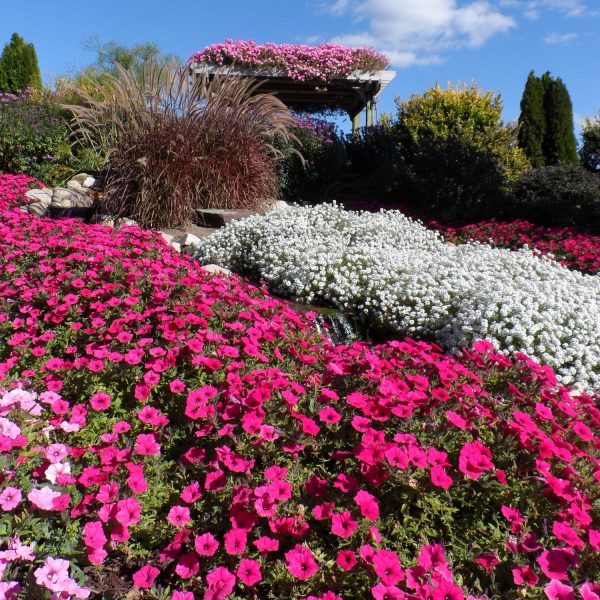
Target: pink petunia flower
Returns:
[[369, 507], [474, 459], [556, 562], [556, 590], [346, 559], [221, 582], [235, 541], [179, 515], [343, 524], [387, 566], [249, 571], [10, 498], [300, 562], [100, 401], [206, 544], [144, 578]]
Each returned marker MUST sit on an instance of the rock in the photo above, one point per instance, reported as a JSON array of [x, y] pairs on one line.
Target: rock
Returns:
[[125, 221], [188, 239], [74, 185], [176, 246], [88, 182], [279, 205], [39, 208], [43, 195], [219, 218], [60, 193], [80, 178], [189, 250], [106, 220], [66, 198], [166, 236], [217, 269]]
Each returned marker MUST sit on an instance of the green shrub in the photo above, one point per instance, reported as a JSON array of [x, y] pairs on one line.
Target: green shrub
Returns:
[[559, 195], [372, 162], [34, 137], [314, 164], [19, 69], [589, 154], [452, 179], [440, 134]]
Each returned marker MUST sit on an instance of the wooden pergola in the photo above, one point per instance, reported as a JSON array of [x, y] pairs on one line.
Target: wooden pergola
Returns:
[[352, 94]]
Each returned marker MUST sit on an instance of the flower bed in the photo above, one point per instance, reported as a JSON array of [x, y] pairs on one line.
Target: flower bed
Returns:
[[395, 272], [297, 61], [571, 247], [192, 437], [14, 187]]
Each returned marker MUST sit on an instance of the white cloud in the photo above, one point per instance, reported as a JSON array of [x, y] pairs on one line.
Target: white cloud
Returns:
[[560, 38], [532, 9], [418, 31]]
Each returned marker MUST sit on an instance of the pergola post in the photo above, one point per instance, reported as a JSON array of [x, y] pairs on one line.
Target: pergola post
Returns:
[[355, 122], [370, 109]]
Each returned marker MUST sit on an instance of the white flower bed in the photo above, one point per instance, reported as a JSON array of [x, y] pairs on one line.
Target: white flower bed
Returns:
[[393, 270]]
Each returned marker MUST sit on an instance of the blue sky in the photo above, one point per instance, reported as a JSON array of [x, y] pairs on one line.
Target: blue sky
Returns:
[[494, 42]]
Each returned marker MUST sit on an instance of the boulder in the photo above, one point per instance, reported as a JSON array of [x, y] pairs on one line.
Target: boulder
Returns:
[[220, 217], [88, 182], [166, 236], [125, 221], [68, 198], [279, 205], [100, 219], [38, 208], [43, 195], [80, 178], [75, 185], [176, 246], [188, 239], [217, 269]]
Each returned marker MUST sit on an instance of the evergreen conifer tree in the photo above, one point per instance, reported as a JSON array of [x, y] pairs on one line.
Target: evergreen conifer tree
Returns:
[[19, 67], [532, 121], [559, 142]]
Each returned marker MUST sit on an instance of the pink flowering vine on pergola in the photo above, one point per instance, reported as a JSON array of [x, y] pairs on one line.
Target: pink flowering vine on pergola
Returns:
[[298, 61]]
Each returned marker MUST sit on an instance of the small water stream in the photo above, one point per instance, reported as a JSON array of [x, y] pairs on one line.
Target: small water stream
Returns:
[[340, 327]]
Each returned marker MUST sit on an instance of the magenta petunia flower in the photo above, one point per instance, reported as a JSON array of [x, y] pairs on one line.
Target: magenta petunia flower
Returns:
[[10, 498], [187, 565], [179, 516], [144, 578], [387, 566], [249, 571], [474, 459], [221, 582], [556, 590], [555, 563], [300, 562], [346, 559], [343, 524], [206, 544], [100, 401], [235, 541], [369, 507]]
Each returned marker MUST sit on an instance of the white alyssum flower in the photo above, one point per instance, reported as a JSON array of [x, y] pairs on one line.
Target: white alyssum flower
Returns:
[[392, 270]]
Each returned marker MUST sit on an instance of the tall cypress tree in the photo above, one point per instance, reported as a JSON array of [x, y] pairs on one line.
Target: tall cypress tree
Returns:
[[546, 122], [532, 121], [19, 67], [559, 141]]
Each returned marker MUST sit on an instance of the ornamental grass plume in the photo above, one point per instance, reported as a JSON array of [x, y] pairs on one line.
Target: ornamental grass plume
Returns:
[[176, 145]]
